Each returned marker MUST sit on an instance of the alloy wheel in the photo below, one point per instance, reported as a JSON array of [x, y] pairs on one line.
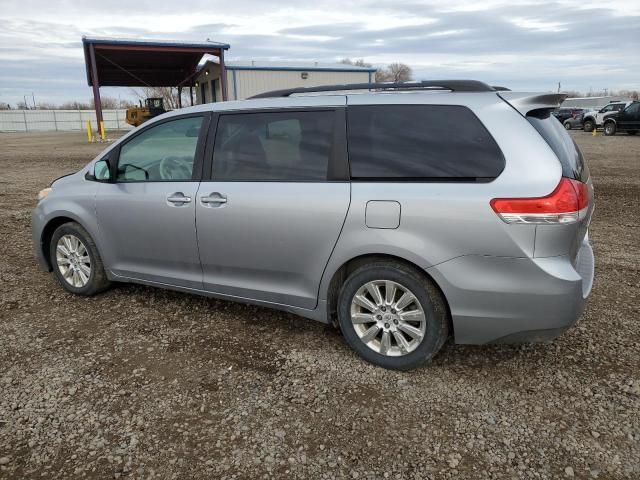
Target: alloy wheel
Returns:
[[388, 318], [73, 261]]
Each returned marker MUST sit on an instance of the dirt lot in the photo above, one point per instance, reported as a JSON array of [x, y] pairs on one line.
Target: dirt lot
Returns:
[[143, 383]]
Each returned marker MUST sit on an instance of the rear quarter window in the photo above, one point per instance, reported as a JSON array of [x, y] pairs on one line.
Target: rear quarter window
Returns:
[[570, 156], [414, 142]]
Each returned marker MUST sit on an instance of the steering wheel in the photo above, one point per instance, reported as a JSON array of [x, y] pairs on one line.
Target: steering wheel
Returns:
[[175, 168]]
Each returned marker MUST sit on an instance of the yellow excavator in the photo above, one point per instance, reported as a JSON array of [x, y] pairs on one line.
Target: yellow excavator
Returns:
[[152, 108]]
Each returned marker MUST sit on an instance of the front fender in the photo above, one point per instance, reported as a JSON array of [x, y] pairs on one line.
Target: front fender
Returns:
[[76, 203]]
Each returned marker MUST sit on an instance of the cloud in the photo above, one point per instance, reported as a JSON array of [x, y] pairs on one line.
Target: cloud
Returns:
[[518, 44]]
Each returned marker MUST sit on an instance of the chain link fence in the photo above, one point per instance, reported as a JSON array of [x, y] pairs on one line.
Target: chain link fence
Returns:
[[60, 120]]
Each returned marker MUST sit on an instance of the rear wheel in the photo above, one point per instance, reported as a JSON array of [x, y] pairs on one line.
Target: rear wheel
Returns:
[[589, 125], [76, 262], [609, 128], [392, 315], [567, 125]]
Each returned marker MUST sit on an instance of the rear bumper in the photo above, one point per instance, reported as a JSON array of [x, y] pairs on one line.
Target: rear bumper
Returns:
[[515, 300]]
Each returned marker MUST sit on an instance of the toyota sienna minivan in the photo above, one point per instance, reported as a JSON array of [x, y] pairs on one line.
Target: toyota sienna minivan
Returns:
[[404, 213]]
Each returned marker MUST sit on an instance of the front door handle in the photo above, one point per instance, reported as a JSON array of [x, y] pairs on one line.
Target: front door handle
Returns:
[[213, 199], [178, 199]]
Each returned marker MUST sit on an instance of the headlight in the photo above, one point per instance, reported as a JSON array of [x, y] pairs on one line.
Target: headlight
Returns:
[[44, 193]]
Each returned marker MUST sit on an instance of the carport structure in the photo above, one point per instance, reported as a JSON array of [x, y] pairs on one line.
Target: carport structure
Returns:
[[112, 62]]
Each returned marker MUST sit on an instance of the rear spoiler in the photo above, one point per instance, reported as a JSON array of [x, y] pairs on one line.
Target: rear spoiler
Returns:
[[526, 102]]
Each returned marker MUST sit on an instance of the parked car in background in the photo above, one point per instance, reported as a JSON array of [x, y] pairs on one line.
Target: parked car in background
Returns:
[[570, 117], [595, 118], [563, 114], [362, 210], [628, 120]]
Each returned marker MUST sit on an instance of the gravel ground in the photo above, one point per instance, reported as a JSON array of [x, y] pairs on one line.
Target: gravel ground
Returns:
[[143, 383]]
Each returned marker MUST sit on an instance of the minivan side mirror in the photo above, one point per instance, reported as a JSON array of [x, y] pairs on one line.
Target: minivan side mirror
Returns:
[[101, 172]]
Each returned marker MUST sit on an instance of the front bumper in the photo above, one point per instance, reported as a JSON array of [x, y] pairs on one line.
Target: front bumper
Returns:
[[515, 300], [37, 229]]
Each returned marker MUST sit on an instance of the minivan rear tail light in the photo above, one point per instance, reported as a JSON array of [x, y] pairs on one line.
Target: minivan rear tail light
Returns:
[[568, 203]]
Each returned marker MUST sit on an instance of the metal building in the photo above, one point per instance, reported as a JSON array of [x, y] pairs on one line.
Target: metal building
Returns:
[[248, 78]]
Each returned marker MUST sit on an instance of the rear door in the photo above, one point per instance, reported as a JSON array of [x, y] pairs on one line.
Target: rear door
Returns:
[[273, 208]]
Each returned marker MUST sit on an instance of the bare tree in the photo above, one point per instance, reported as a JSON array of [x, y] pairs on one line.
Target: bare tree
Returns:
[[75, 105], [168, 94], [356, 63], [108, 103], [396, 72], [47, 106]]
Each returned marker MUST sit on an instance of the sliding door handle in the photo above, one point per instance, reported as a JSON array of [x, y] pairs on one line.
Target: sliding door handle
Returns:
[[214, 199]]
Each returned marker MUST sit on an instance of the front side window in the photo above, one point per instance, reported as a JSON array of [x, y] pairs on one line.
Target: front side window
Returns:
[[273, 146], [437, 142], [163, 153]]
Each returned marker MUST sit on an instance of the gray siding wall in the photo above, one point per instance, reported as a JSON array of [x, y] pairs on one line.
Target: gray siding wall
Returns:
[[242, 84]]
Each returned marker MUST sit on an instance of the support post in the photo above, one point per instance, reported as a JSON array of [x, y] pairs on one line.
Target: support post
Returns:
[[55, 120], [191, 94], [95, 83], [223, 76], [179, 97], [89, 131]]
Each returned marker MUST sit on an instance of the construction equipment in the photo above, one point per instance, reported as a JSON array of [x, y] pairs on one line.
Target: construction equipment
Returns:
[[152, 108]]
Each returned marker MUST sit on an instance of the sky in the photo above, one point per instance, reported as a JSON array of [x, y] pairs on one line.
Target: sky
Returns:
[[585, 44]]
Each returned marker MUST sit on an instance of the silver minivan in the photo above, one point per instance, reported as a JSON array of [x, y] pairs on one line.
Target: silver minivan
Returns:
[[404, 213]]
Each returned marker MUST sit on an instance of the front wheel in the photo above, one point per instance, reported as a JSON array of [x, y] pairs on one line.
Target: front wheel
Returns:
[[609, 128], [567, 125], [588, 126], [392, 315], [76, 261]]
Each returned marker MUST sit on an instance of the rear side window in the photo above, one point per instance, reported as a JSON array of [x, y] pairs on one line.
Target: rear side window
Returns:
[[278, 146], [570, 156], [430, 142]]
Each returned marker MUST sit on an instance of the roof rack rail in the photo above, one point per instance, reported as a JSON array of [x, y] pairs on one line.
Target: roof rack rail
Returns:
[[452, 85]]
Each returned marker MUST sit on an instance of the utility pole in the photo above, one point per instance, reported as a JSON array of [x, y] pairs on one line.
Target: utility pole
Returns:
[[558, 87], [26, 105], [33, 97]]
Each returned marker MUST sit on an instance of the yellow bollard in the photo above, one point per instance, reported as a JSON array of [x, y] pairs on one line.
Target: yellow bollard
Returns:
[[89, 131], [102, 135], [594, 132]]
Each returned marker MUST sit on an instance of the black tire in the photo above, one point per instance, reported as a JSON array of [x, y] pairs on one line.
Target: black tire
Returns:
[[98, 280], [588, 125], [632, 132], [567, 125], [609, 129], [430, 298]]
